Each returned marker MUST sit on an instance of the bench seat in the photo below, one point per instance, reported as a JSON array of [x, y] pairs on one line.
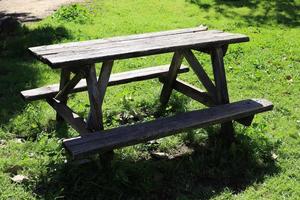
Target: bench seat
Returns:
[[129, 135], [115, 79]]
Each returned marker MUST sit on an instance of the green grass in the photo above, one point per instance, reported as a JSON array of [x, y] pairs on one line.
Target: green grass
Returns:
[[264, 163]]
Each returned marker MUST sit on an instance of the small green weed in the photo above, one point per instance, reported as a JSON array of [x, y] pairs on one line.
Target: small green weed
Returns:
[[74, 13]]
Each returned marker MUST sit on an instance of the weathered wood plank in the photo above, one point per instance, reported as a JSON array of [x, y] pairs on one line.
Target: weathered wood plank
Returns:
[[203, 50], [219, 76], [59, 47], [64, 78], [68, 87], [222, 96], [201, 74], [115, 79], [47, 49], [246, 121], [96, 122], [130, 135], [97, 97], [138, 43], [192, 92], [224, 49], [95, 115], [99, 52], [69, 116], [133, 49], [170, 78], [208, 49]]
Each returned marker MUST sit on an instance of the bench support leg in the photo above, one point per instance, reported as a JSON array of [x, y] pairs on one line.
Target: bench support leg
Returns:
[[96, 90], [200, 72], [69, 86], [64, 79], [222, 96], [171, 78]]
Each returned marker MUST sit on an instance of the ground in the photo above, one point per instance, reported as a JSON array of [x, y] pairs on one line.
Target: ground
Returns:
[[263, 162], [31, 10]]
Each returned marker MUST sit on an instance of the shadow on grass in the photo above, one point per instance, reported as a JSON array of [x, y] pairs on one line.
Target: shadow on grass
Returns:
[[206, 172], [18, 70], [22, 16], [284, 12]]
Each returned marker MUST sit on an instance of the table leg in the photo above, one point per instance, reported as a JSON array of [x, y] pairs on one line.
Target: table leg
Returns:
[[64, 79], [222, 96], [171, 78], [96, 91], [94, 121]]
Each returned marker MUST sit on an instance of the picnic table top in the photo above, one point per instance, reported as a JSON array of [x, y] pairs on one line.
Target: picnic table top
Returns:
[[99, 50]]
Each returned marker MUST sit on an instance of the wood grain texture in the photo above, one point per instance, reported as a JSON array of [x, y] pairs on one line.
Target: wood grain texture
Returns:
[[192, 92], [68, 87], [46, 49], [170, 78], [82, 53], [246, 121], [222, 97], [219, 75], [96, 94], [64, 78], [115, 79], [69, 116], [95, 115], [200, 72], [130, 135]]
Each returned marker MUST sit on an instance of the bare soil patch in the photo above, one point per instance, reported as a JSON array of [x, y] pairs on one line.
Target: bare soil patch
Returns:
[[31, 10]]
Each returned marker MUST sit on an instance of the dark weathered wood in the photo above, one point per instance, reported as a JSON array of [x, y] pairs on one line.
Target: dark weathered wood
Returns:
[[69, 86], [222, 97], [170, 78], [203, 50], [64, 78], [130, 135], [207, 50], [115, 79], [102, 84], [224, 49], [198, 69], [219, 76], [98, 96], [48, 49], [94, 121], [99, 51], [193, 92], [246, 121], [69, 116]]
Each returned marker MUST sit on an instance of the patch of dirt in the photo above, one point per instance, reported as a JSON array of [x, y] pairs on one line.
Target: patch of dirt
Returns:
[[180, 151], [31, 10]]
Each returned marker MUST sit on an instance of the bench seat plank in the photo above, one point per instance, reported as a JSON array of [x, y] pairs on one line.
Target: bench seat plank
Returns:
[[124, 136], [115, 79], [81, 53]]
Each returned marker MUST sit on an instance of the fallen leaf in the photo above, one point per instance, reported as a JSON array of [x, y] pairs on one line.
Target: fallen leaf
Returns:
[[19, 178], [19, 140], [274, 156], [2, 143], [159, 155]]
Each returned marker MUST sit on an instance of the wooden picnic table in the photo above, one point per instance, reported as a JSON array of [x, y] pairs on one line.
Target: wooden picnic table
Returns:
[[79, 58]]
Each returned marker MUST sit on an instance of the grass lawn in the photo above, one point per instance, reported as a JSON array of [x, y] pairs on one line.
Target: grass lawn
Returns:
[[264, 162]]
